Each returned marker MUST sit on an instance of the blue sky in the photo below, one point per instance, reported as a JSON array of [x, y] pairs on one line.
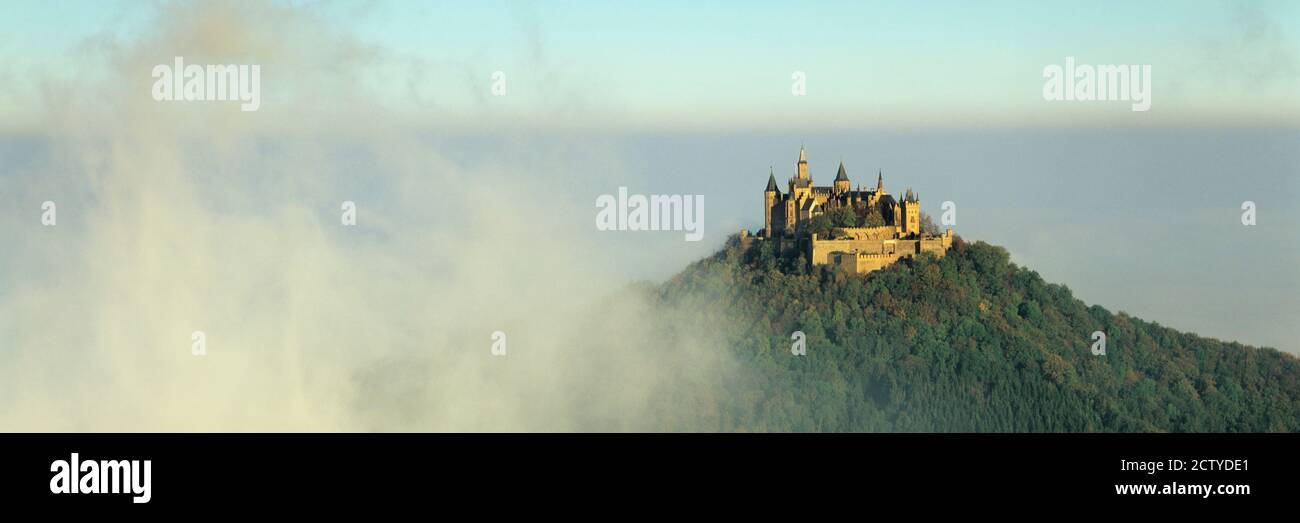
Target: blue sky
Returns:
[[718, 65]]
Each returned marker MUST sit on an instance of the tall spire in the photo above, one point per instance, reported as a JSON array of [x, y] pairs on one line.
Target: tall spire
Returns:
[[801, 168], [880, 181], [842, 176], [771, 180]]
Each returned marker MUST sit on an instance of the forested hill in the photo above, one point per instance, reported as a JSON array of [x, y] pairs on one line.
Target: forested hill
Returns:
[[969, 342]]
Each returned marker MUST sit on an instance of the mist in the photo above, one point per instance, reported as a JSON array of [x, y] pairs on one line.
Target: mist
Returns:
[[175, 218]]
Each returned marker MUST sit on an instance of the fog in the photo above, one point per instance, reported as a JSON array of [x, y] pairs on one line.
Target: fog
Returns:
[[177, 217]]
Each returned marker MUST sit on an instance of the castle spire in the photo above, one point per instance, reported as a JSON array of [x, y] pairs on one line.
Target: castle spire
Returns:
[[880, 181], [801, 168], [771, 180], [842, 176]]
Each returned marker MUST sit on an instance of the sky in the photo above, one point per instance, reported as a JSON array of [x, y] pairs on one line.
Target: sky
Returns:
[[476, 210], [674, 65]]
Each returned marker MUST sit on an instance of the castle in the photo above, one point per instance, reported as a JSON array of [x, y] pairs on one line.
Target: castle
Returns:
[[857, 230]]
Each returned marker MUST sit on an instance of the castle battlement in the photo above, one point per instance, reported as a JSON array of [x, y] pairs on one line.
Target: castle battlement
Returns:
[[884, 229]]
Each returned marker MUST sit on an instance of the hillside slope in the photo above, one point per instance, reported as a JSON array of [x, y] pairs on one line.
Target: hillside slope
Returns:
[[969, 342]]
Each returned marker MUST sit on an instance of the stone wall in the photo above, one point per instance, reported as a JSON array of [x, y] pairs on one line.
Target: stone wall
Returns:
[[863, 256]]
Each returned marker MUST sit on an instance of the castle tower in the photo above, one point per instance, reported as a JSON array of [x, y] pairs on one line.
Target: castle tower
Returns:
[[841, 180], [789, 215], [770, 196], [911, 213], [802, 174], [880, 183], [801, 186], [914, 214]]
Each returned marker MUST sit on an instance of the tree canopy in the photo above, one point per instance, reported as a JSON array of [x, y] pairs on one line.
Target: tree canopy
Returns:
[[967, 342], [843, 217]]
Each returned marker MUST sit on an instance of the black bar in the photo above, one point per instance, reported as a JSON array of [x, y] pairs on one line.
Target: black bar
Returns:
[[478, 470]]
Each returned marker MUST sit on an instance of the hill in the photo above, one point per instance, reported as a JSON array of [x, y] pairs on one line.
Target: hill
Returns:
[[968, 342]]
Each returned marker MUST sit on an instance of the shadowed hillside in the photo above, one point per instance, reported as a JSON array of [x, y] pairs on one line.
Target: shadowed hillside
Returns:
[[969, 342]]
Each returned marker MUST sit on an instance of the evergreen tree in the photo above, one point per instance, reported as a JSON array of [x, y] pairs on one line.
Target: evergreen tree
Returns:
[[967, 342]]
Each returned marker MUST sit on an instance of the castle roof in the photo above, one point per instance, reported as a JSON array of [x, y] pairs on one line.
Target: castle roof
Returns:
[[842, 176], [771, 182]]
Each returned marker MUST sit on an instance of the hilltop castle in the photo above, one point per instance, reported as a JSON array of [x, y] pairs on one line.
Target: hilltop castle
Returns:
[[872, 231]]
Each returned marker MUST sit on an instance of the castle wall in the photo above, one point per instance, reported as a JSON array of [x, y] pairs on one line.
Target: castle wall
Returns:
[[884, 232], [820, 250], [860, 263], [863, 256], [874, 263], [937, 244], [933, 245]]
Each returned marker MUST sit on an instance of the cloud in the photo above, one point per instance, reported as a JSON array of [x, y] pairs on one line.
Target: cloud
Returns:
[[183, 217], [1254, 48]]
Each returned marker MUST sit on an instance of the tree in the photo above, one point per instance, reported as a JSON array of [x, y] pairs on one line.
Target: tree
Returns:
[[820, 225], [970, 342], [927, 225], [873, 218], [843, 217]]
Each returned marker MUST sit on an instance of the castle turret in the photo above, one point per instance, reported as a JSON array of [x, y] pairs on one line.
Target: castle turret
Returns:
[[880, 183], [802, 173], [770, 196], [841, 180], [789, 220], [911, 213], [801, 186]]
